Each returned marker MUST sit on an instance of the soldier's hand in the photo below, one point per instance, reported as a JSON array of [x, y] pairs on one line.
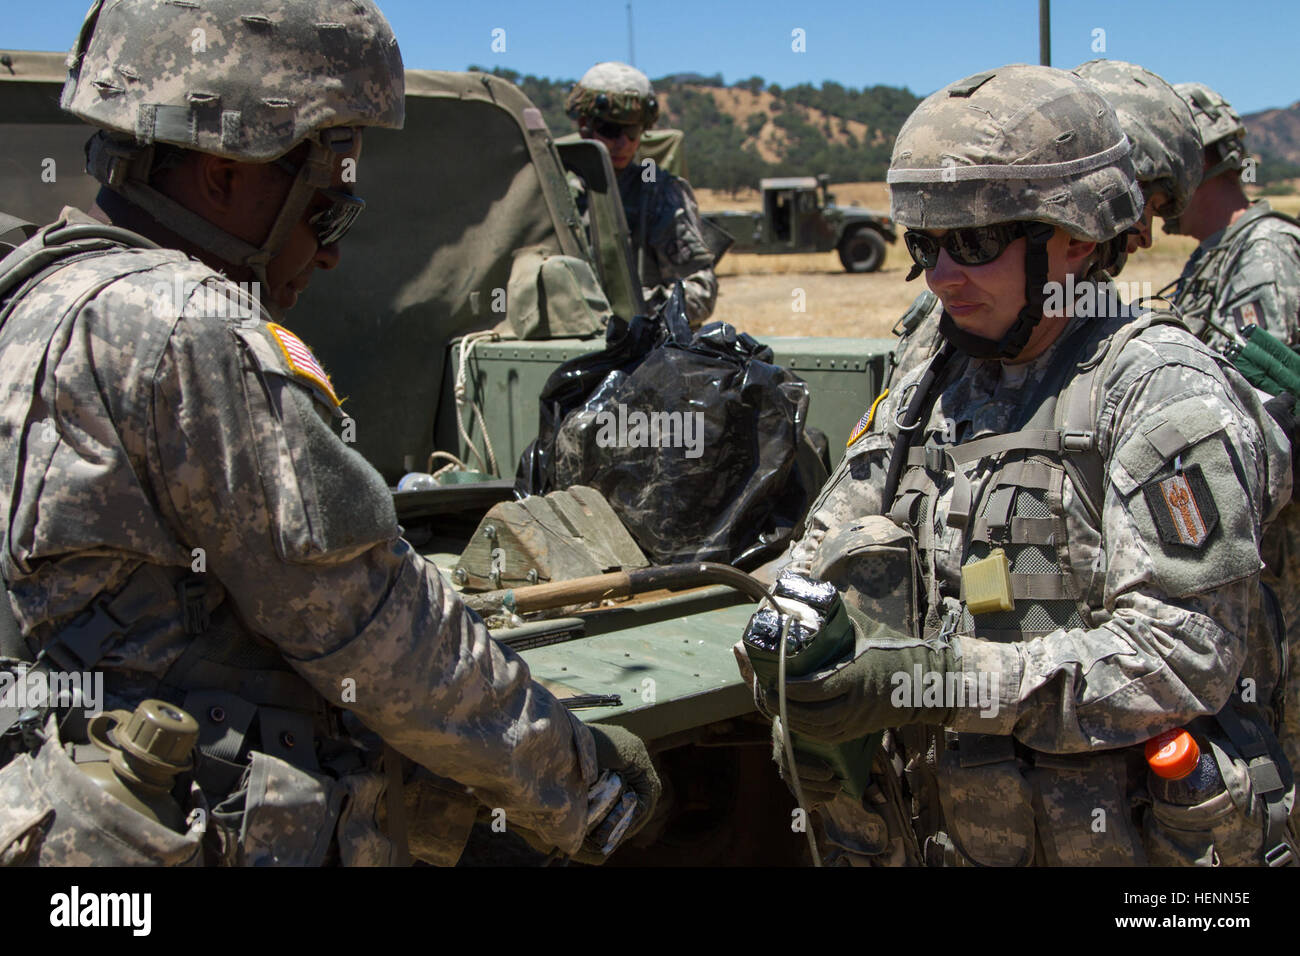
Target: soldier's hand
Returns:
[[856, 698], [813, 610], [623, 759], [817, 779]]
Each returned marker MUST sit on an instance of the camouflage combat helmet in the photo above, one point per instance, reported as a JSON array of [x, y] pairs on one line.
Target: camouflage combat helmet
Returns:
[[1167, 151], [1028, 144], [1221, 128], [615, 92], [245, 81]]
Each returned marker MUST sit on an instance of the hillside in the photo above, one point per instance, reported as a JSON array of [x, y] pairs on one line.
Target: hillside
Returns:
[[1275, 136], [737, 134]]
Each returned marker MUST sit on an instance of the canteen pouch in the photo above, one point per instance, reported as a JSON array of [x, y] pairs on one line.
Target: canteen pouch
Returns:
[[54, 814], [1228, 828]]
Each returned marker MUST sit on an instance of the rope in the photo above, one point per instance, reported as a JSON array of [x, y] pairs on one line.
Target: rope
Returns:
[[456, 463], [462, 372]]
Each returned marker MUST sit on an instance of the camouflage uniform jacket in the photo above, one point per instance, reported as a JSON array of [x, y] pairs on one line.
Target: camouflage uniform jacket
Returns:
[[668, 239], [1139, 635], [1249, 274], [143, 431], [1246, 274]]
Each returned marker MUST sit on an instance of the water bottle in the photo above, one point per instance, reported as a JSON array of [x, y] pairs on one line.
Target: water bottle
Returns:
[[1182, 773]]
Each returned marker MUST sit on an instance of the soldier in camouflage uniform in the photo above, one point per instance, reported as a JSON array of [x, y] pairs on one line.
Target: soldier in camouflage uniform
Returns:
[[183, 515], [1246, 271], [1167, 160], [1083, 494], [614, 103]]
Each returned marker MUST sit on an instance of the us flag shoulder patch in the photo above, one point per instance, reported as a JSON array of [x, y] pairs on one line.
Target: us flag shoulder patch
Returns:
[[301, 361], [864, 423], [1182, 507]]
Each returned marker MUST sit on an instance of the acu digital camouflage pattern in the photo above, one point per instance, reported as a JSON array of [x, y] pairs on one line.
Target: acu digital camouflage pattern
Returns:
[[1245, 274], [1249, 274], [155, 429], [265, 77], [664, 221], [1019, 143], [615, 92], [1167, 150], [1165, 635], [1215, 118]]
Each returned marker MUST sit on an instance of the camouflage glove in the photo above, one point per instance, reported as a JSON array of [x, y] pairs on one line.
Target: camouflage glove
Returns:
[[624, 796], [855, 699], [816, 778]]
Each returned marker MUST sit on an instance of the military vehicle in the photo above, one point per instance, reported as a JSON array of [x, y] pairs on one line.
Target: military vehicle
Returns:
[[796, 219], [451, 279]]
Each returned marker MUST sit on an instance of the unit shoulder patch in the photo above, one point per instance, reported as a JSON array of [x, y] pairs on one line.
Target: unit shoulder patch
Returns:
[[301, 362], [864, 423], [1182, 506], [1246, 314]]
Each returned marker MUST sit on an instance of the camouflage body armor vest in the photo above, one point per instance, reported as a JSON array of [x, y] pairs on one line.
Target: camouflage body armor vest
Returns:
[[1002, 802], [279, 773]]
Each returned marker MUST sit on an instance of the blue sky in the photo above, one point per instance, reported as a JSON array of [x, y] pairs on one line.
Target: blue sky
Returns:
[[1246, 50]]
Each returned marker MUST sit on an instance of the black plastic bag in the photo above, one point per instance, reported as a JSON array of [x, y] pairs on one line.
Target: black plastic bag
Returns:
[[698, 440]]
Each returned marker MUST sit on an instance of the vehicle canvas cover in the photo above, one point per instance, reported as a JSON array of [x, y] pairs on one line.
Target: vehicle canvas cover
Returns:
[[472, 182], [667, 147]]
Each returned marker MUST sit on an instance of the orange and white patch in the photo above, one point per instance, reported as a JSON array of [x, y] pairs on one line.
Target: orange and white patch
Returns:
[[1186, 515], [1183, 508], [300, 360]]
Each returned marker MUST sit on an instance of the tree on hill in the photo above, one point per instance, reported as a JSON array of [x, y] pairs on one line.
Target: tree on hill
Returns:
[[715, 141]]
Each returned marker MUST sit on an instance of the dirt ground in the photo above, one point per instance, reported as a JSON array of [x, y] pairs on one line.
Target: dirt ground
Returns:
[[759, 294]]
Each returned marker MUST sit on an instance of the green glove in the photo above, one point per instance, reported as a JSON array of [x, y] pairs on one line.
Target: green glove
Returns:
[[622, 752], [856, 699], [816, 777]]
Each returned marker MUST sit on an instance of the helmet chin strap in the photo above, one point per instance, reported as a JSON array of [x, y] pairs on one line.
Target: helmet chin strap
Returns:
[[125, 169], [1015, 339]]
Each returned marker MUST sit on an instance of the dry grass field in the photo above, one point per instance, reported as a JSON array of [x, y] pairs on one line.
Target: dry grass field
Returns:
[[757, 293]]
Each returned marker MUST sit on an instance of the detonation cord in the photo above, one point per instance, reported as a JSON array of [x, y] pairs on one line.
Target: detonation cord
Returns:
[[787, 744]]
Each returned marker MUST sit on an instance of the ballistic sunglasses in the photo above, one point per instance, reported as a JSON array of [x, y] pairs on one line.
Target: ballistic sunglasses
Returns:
[[332, 223], [972, 246], [607, 130]]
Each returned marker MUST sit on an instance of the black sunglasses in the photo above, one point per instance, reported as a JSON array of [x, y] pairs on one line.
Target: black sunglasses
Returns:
[[972, 246], [332, 223], [607, 130]]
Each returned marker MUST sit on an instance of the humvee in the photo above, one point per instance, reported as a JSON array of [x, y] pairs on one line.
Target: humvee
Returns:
[[796, 219], [436, 277]]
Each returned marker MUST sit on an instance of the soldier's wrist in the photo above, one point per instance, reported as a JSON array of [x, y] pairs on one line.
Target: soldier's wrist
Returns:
[[988, 700]]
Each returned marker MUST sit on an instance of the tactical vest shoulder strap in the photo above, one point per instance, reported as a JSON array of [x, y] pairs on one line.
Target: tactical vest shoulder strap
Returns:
[[10, 224], [51, 245], [1076, 410]]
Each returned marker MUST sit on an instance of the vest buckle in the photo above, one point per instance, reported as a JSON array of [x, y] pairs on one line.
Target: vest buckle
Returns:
[[1077, 441]]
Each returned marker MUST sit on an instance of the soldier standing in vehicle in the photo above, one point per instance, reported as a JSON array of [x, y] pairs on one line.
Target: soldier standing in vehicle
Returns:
[[182, 513], [1082, 493], [614, 103]]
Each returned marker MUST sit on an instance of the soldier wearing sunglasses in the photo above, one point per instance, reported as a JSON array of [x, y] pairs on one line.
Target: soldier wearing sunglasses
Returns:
[[184, 517], [1166, 160], [1080, 498], [614, 103]]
